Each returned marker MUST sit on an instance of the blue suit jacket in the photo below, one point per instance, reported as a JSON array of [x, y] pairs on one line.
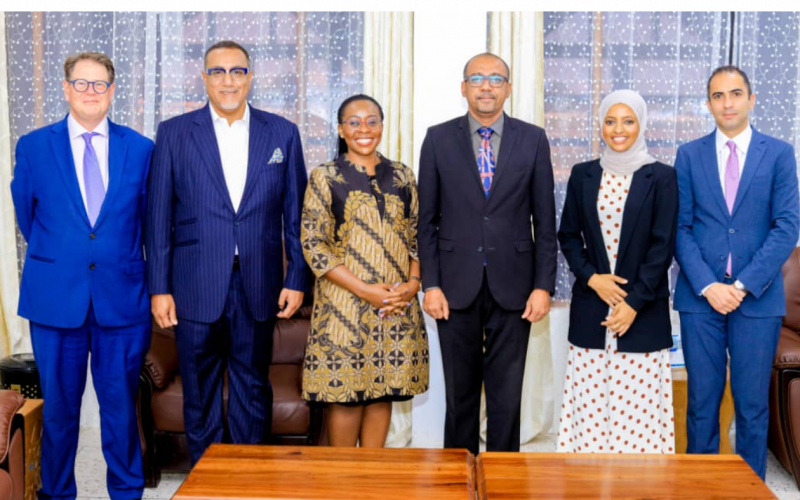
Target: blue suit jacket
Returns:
[[193, 230], [70, 263], [760, 234]]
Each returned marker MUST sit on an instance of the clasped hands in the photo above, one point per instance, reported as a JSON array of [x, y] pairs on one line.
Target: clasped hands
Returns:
[[609, 291], [724, 298], [390, 299]]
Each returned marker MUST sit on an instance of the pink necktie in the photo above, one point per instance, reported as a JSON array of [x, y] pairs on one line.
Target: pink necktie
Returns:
[[731, 185]]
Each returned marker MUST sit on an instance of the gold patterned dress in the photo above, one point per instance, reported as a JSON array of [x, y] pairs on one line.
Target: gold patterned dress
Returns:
[[369, 225]]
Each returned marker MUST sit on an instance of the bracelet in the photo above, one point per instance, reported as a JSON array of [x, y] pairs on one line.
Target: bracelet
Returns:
[[416, 278]]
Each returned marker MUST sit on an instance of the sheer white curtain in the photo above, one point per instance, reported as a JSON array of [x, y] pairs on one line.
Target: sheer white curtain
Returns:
[[304, 65], [518, 37], [768, 50], [13, 330], [389, 77]]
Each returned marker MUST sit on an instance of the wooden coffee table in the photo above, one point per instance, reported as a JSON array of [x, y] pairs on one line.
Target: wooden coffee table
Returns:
[[283, 472], [565, 476]]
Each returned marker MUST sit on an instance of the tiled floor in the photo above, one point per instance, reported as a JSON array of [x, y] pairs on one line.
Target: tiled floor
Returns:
[[90, 471]]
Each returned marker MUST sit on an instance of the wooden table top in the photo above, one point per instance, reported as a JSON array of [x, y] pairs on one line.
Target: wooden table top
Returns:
[[565, 476], [300, 472]]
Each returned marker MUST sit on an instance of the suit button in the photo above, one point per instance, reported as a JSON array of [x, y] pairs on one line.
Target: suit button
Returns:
[[721, 257], [480, 249], [485, 218], [91, 266], [92, 236], [236, 223], [731, 231]]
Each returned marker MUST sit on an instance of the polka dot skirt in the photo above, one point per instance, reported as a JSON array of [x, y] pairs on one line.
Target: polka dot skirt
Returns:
[[616, 402]]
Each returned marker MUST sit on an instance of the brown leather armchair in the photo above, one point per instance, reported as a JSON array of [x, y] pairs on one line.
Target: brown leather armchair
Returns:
[[12, 457], [784, 391], [160, 407]]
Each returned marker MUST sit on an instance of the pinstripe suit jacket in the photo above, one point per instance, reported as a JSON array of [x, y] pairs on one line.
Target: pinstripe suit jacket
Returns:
[[193, 230]]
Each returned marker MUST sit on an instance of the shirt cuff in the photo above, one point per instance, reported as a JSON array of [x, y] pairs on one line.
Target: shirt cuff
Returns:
[[703, 291], [432, 288]]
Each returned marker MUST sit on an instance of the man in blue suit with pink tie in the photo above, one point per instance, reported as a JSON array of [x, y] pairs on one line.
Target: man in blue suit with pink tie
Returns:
[[737, 224], [79, 194], [226, 187]]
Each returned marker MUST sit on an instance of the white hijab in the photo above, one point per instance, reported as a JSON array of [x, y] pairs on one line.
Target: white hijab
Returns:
[[627, 162]]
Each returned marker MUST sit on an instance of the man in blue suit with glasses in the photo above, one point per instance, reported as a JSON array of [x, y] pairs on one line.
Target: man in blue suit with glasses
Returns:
[[226, 187], [737, 224], [79, 194]]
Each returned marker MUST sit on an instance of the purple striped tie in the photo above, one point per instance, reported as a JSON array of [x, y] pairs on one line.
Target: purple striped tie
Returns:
[[731, 187], [92, 179]]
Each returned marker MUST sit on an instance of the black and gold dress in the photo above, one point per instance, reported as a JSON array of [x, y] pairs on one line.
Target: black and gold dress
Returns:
[[368, 224]]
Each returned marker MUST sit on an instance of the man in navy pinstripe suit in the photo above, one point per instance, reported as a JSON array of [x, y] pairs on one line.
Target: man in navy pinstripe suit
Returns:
[[226, 187]]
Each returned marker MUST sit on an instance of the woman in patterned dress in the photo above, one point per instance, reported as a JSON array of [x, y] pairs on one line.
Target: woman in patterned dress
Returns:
[[618, 236], [367, 346]]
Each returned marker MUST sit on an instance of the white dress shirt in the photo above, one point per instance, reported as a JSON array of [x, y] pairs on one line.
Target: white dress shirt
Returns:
[[234, 148], [78, 144]]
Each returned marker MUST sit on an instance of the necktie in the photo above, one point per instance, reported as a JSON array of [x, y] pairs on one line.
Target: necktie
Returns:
[[731, 186], [92, 179], [486, 162]]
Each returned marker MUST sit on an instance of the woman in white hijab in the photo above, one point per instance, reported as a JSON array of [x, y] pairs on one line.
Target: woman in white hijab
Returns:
[[618, 236]]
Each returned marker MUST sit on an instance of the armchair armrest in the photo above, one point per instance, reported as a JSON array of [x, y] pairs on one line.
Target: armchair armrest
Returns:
[[10, 402], [161, 361]]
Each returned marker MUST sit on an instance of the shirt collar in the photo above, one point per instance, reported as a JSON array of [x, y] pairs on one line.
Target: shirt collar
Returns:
[[76, 129], [742, 140], [497, 126], [218, 119]]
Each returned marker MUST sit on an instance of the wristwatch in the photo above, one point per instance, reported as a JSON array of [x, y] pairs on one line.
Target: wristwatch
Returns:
[[739, 286]]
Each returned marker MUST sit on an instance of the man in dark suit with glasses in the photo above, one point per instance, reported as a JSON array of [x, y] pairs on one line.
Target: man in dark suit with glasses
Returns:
[[485, 184]]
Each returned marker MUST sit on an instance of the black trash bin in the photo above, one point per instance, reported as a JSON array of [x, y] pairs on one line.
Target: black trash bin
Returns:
[[18, 372]]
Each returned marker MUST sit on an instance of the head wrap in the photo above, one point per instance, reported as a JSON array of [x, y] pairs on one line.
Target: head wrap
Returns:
[[626, 162]]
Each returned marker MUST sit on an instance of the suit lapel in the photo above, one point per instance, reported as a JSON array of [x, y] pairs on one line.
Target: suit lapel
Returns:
[[257, 152], [206, 141], [62, 151], [752, 162], [590, 191], [710, 166], [117, 150], [506, 149], [464, 141], [640, 186]]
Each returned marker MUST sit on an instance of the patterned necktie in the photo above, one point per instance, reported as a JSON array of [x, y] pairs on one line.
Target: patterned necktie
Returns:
[[486, 162], [731, 186], [92, 179]]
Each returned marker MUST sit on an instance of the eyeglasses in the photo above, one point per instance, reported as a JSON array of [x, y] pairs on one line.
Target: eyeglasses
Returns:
[[81, 85], [372, 123], [237, 73], [494, 80]]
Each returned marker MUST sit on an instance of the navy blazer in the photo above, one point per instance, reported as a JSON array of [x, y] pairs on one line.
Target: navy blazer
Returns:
[[760, 234], [646, 246], [460, 229], [193, 230], [70, 264]]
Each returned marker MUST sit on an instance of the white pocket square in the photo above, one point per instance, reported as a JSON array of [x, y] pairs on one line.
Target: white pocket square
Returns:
[[277, 156]]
